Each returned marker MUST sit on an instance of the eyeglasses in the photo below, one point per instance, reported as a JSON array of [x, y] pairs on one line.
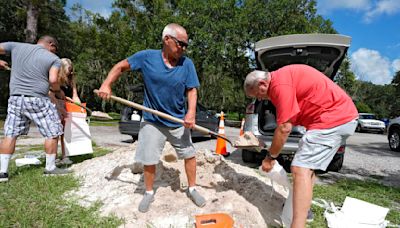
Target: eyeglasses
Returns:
[[181, 44]]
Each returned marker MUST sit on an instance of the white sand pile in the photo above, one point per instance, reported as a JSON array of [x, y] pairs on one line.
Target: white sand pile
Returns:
[[117, 182]]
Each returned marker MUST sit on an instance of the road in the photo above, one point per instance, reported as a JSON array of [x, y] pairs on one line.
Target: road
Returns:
[[367, 155]]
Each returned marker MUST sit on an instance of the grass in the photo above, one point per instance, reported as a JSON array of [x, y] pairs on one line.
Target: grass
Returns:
[[30, 199], [368, 191]]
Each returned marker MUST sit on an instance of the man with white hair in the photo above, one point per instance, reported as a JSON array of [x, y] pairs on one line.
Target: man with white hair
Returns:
[[304, 96], [169, 77]]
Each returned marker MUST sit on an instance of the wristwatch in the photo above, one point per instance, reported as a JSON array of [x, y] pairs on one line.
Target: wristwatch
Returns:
[[269, 156]]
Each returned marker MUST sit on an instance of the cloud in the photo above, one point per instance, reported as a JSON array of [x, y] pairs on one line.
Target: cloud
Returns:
[[396, 65], [370, 65], [388, 7]]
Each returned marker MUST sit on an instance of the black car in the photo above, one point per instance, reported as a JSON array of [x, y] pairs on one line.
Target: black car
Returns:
[[130, 117]]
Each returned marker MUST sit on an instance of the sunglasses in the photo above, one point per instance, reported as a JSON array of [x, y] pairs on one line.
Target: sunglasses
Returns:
[[181, 44]]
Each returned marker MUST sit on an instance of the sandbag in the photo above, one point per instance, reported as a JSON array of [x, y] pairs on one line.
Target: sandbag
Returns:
[[77, 138]]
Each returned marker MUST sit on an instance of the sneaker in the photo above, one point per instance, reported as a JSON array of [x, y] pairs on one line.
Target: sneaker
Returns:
[[310, 216], [57, 171], [3, 177], [145, 203], [196, 198], [64, 161]]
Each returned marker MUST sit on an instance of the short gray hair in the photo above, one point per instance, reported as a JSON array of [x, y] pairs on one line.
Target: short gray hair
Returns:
[[171, 30], [253, 78]]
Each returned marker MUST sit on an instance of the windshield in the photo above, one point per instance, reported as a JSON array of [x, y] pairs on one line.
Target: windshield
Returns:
[[367, 117]]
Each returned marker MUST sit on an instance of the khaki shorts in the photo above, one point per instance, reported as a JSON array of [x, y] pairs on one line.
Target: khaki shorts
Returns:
[[318, 147], [152, 139]]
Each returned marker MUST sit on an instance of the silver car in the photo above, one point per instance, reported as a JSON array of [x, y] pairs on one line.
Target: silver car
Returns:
[[325, 52], [394, 134]]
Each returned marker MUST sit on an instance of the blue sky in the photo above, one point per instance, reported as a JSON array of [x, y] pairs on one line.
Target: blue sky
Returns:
[[374, 26]]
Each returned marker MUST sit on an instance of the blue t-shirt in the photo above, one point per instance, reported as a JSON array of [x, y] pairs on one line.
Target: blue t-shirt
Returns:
[[164, 87]]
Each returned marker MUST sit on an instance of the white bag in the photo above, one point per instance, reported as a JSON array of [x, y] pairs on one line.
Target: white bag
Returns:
[[77, 138], [278, 175], [354, 213]]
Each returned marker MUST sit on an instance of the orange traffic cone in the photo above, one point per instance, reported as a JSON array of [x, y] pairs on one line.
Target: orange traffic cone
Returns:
[[221, 144], [241, 128]]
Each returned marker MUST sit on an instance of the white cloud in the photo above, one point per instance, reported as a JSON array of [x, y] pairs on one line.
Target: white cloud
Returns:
[[396, 65], [370, 65], [102, 7], [388, 7]]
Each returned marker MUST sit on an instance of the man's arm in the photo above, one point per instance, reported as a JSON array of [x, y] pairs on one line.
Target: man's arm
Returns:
[[2, 50], [54, 85], [280, 136], [3, 64], [190, 118], [113, 75]]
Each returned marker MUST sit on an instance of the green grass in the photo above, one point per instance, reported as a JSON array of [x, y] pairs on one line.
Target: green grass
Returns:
[[30, 199], [368, 191]]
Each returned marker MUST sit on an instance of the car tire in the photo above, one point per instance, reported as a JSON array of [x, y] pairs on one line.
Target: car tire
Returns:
[[394, 139], [336, 163], [248, 156], [358, 129]]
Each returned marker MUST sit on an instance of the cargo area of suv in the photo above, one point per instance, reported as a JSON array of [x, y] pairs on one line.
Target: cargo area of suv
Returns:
[[325, 52]]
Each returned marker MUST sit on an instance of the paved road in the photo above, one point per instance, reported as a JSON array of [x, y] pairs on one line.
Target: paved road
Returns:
[[367, 154]]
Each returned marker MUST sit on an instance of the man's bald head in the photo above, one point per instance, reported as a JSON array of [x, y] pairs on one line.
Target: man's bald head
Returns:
[[49, 42]]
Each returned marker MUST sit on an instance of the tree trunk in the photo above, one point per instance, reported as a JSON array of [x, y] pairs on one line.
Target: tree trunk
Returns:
[[32, 16]]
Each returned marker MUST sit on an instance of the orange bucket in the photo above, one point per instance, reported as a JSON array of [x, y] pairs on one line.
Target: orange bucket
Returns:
[[71, 107], [217, 220]]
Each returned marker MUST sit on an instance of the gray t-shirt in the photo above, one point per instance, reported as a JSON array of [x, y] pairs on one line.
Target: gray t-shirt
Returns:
[[30, 68]]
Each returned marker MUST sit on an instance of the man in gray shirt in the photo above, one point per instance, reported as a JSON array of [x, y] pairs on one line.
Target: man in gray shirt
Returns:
[[34, 70]]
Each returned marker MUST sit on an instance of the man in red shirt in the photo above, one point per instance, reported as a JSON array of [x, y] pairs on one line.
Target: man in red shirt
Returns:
[[304, 96]]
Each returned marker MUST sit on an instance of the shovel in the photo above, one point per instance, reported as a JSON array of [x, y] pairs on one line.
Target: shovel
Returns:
[[166, 116]]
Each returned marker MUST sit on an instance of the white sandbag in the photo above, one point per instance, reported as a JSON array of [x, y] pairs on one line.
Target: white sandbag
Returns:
[[27, 161], [356, 213], [278, 175], [77, 138]]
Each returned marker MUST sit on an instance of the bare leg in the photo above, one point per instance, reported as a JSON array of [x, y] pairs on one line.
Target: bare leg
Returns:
[[7, 146], [149, 174], [302, 195], [62, 147], [190, 167], [50, 145]]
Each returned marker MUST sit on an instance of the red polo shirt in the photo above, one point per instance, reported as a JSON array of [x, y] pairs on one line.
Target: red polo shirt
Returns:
[[308, 98]]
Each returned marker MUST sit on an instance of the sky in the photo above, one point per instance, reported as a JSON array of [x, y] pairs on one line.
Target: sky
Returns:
[[374, 26]]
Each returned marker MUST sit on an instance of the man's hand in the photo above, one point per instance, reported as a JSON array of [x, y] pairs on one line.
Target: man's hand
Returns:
[[104, 91], [267, 164], [189, 120], [4, 65]]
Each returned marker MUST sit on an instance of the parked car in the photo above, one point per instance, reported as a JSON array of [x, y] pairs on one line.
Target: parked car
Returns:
[[369, 122], [325, 52], [130, 117], [394, 134]]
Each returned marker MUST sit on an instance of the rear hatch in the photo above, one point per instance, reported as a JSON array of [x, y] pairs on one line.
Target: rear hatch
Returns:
[[325, 52]]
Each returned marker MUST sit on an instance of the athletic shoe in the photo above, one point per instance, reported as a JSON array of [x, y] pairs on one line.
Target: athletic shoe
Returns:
[[310, 216], [3, 177], [196, 198], [57, 171], [145, 203], [64, 161]]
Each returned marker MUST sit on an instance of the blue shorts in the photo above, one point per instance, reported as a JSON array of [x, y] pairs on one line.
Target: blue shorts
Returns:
[[318, 147], [22, 110], [152, 140]]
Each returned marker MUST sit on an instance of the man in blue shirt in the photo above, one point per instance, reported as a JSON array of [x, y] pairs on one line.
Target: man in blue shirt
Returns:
[[169, 77]]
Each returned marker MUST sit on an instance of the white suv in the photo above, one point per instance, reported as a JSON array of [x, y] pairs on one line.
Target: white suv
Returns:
[[325, 52], [394, 134], [369, 122]]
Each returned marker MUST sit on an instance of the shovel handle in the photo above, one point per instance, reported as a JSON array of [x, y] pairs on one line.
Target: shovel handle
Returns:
[[163, 115], [7, 68]]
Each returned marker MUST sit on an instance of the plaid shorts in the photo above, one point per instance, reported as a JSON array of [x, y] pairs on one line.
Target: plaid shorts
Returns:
[[22, 110]]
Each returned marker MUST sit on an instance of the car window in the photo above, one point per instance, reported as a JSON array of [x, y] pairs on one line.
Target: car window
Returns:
[[367, 117]]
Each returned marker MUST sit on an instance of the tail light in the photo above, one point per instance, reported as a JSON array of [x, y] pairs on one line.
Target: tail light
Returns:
[[341, 150], [250, 108]]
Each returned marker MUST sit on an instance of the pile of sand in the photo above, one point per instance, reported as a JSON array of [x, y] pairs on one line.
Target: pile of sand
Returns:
[[117, 182]]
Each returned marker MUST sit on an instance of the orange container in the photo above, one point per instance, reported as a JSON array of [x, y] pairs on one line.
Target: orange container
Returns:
[[216, 220], [71, 107]]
